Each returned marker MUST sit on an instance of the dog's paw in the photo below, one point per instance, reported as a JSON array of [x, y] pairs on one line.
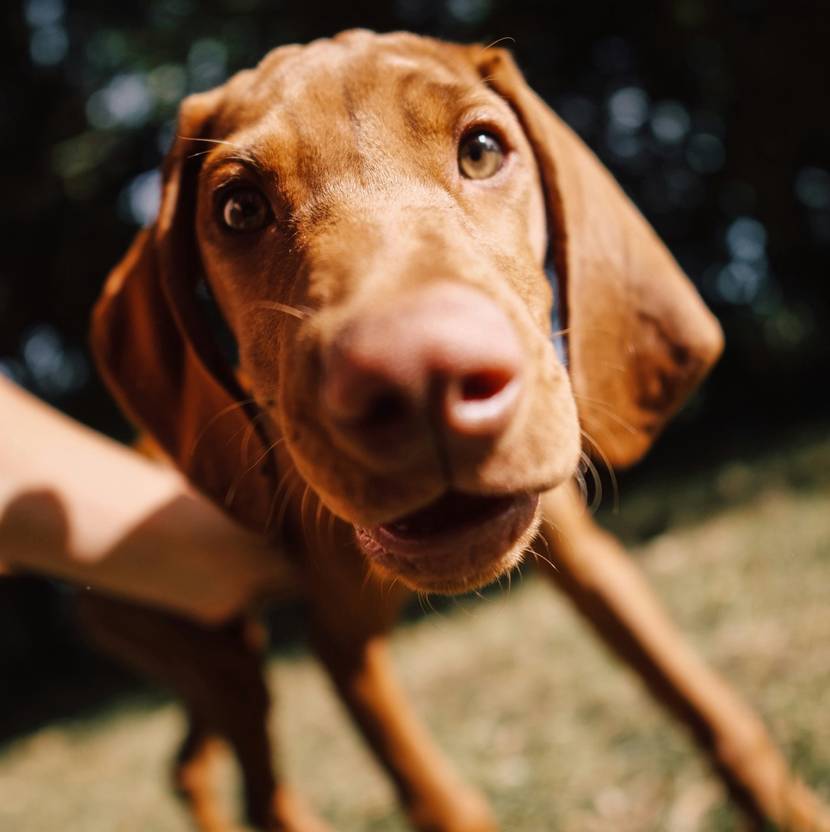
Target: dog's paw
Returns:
[[292, 814]]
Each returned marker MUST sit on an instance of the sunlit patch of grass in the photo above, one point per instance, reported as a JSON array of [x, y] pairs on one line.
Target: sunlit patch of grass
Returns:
[[518, 693]]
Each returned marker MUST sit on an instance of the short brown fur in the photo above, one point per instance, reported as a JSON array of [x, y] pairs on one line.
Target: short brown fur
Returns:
[[354, 141]]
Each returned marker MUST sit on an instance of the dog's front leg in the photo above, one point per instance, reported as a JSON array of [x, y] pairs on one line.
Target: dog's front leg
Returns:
[[351, 615], [218, 673], [604, 584]]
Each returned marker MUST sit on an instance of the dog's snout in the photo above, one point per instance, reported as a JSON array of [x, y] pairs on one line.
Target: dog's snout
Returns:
[[443, 362]]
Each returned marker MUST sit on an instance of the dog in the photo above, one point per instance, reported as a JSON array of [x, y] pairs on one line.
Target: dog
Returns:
[[386, 225]]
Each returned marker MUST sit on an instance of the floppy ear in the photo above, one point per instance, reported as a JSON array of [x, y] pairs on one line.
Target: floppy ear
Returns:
[[639, 336], [157, 357]]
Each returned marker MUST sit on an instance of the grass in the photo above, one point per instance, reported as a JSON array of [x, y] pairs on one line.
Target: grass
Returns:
[[518, 693]]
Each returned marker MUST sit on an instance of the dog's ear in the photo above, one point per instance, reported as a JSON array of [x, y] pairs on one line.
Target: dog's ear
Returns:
[[157, 356], [639, 336]]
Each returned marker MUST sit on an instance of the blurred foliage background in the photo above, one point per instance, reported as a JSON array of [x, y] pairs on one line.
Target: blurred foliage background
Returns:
[[712, 113]]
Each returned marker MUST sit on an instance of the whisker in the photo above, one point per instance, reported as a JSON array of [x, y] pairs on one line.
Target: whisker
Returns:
[[210, 141], [380, 578], [249, 435], [303, 505], [231, 494], [289, 494], [243, 154], [497, 41], [242, 403], [247, 427], [316, 509], [331, 526], [607, 409], [432, 609], [318, 518], [596, 479], [582, 486], [544, 559], [386, 582], [545, 541], [277, 493], [300, 312], [615, 488], [390, 583]]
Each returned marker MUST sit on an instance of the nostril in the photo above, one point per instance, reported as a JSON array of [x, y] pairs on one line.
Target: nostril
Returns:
[[481, 404], [483, 385], [385, 410]]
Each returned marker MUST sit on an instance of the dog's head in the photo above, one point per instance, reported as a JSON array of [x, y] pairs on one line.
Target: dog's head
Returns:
[[372, 215]]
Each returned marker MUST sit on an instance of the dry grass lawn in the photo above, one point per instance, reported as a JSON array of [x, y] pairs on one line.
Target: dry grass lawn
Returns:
[[515, 689]]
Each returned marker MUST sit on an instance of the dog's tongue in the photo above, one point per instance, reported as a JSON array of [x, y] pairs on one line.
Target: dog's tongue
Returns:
[[448, 513]]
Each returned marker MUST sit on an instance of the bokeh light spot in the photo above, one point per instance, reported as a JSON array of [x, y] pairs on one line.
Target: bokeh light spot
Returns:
[[812, 187], [469, 11], [746, 239], [43, 12], [670, 122], [54, 369], [739, 282], [48, 45], [628, 108], [126, 101], [168, 83], [139, 201]]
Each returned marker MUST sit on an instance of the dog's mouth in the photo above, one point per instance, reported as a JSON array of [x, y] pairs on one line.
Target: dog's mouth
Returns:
[[458, 542]]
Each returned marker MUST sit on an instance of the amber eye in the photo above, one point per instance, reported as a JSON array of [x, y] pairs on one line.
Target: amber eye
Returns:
[[245, 209], [480, 155]]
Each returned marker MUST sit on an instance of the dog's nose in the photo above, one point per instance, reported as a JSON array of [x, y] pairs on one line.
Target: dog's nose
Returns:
[[443, 362]]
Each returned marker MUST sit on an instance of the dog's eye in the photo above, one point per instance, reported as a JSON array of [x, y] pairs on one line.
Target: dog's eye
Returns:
[[245, 209], [480, 155]]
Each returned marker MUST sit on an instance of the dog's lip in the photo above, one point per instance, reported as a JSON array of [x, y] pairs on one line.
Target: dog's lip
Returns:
[[456, 542], [447, 521]]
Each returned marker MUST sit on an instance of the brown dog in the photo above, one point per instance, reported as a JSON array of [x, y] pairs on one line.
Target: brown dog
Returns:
[[372, 215]]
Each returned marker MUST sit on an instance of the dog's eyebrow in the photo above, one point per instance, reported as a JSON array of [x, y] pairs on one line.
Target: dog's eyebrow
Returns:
[[449, 90], [238, 153], [243, 156]]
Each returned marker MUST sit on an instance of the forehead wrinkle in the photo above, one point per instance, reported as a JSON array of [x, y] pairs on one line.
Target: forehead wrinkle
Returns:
[[296, 152], [430, 107], [361, 201], [349, 75], [357, 127]]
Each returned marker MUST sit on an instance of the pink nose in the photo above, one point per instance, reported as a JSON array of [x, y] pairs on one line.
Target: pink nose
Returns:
[[443, 362]]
